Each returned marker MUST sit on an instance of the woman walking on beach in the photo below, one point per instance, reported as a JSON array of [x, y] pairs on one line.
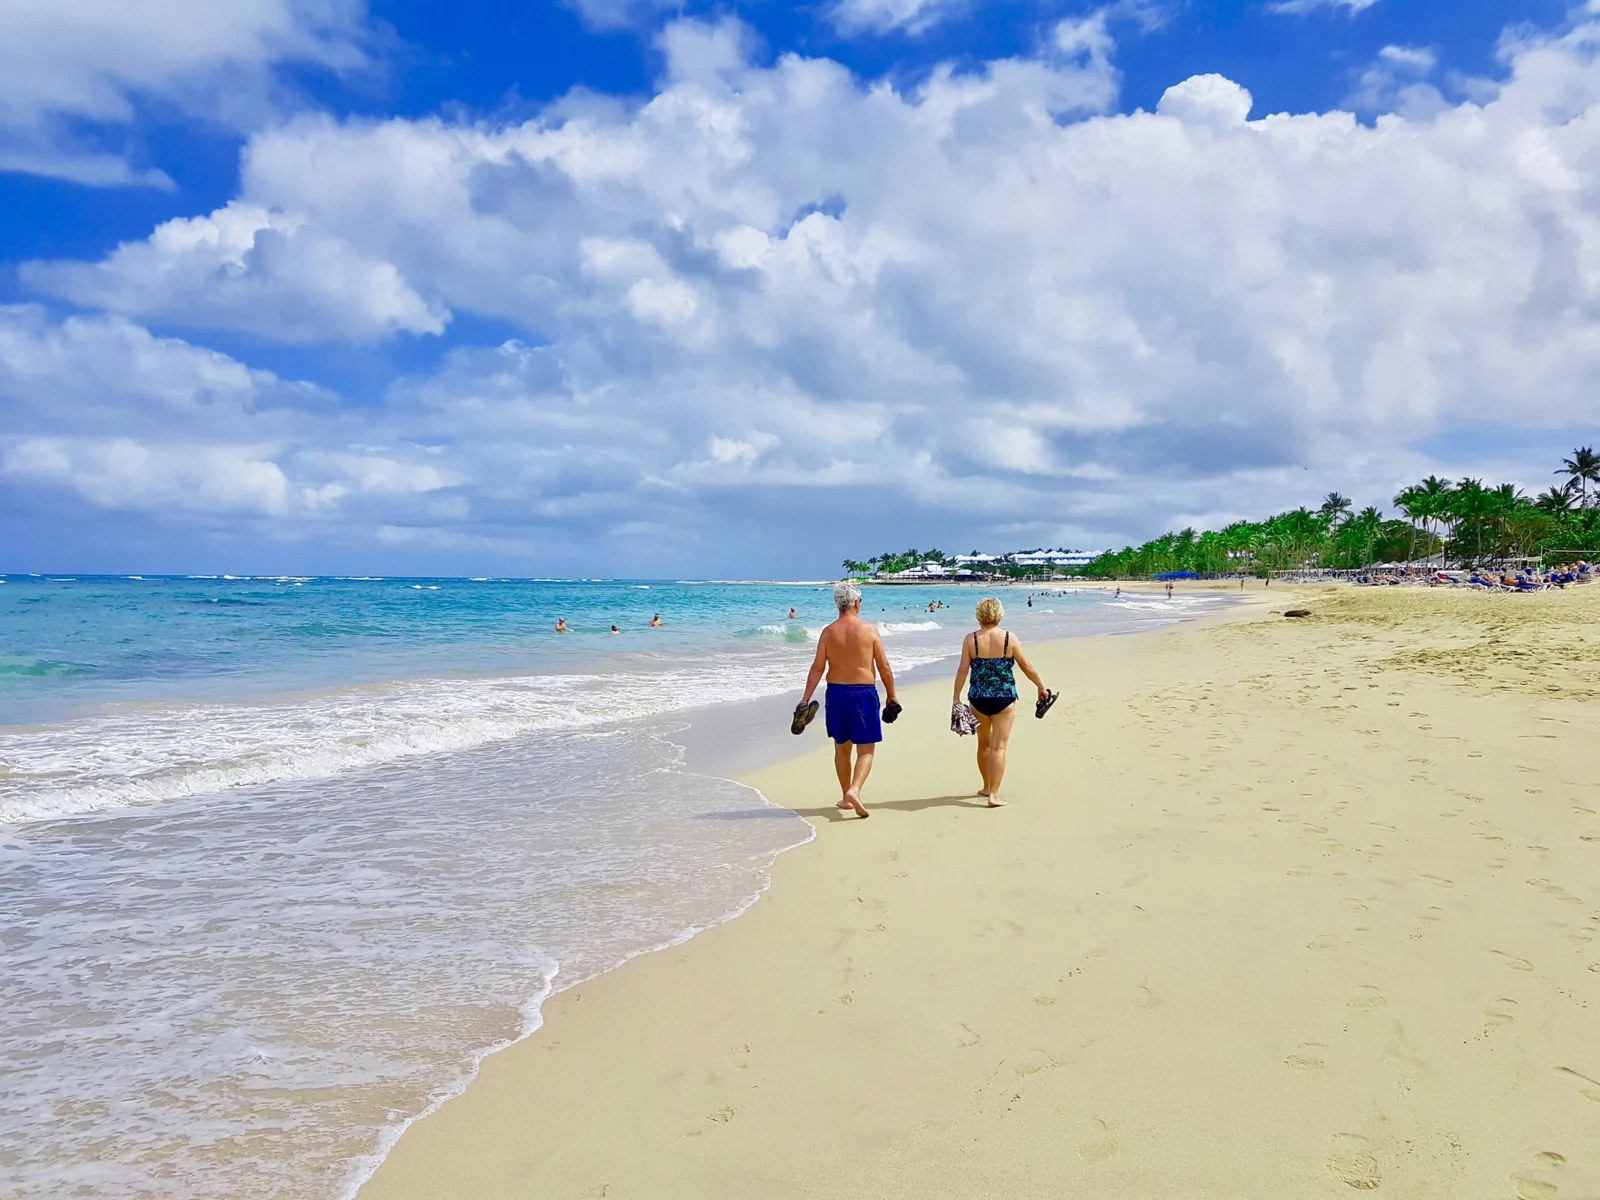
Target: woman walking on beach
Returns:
[[988, 656]]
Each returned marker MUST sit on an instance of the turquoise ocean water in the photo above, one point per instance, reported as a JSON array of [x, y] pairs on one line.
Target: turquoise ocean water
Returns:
[[282, 858]]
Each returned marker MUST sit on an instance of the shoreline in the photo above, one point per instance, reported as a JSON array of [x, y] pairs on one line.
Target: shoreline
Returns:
[[731, 742], [851, 1063], [728, 742]]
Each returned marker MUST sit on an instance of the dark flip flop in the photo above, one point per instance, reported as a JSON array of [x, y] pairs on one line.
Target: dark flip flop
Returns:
[[891, 710], [1045, 702], [804, 714]]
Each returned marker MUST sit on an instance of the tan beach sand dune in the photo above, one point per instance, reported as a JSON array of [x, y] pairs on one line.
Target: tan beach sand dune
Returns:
[[1278, 909]]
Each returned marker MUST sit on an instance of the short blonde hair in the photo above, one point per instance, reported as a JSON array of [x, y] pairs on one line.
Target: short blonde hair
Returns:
[[990, 610]]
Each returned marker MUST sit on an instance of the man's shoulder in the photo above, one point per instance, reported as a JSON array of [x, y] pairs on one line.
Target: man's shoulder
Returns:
[[850, 626]]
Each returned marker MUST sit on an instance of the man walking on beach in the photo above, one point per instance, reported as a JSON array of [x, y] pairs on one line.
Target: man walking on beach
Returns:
[[850, 651]]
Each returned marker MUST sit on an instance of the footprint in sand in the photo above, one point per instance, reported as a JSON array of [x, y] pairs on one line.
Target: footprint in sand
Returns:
[[1323, 941], [1352, 1161], [1366, 997], [1351, 905], [1097, 1150], [1589, 1092], [1306, 1057], [1512, 961], [965, 1037], [1499, 1013], [1538, 1183], [722, 1116], [1143, 997]]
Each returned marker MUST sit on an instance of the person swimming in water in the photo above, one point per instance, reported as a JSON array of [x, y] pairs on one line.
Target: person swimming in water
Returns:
[[615, 631], [987, 657], [655, 621], [791, 614], [561, 625]]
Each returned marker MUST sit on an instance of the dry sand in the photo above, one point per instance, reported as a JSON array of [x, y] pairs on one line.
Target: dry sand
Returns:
[[1279, 909]]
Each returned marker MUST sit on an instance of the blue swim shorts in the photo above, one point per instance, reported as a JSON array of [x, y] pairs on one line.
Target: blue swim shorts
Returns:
[[852, 710]]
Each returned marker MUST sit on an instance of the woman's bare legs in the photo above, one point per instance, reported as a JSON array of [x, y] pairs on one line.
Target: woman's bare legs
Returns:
[[983, 752], [999, 730]]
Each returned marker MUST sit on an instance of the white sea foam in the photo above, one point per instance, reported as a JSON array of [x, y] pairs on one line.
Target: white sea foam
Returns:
[[255, 998], [156, 753]]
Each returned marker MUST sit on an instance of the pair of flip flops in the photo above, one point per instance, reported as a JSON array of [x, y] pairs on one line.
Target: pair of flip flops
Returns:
[[891, 710], [1045, 701], [804, 714]]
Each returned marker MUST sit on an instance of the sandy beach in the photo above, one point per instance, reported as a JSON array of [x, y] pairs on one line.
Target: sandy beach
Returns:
[[1279, 908]]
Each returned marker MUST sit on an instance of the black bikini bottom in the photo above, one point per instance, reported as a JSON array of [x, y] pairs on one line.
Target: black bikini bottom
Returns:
[[991, 705]]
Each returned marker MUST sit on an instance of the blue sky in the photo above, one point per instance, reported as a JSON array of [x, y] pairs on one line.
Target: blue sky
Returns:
[[612, 287]]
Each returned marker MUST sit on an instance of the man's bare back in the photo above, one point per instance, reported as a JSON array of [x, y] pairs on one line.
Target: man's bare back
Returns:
[[853, 652]]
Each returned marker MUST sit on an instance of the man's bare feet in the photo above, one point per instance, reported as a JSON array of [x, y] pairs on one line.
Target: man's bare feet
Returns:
[[996, 802], [842, 804], [984, 792], [852, 799]]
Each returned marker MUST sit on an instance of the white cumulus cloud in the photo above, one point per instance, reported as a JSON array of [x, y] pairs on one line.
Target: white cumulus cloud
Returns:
[[274, 272], [95, 62], [125, 473], [983, 299]]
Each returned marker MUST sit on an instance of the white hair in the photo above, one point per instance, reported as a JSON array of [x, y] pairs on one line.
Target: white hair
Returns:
[[846, 595]]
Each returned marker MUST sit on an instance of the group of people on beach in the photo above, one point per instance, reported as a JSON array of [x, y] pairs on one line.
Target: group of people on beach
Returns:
[[850, 654], [1525, 579]]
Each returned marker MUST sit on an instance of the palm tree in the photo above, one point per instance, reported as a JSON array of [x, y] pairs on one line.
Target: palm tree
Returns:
[[1414, 504], [1503, 503], [1358, 534], [1555, 500], [1335, 507], [1468, 510], [1582, 469]]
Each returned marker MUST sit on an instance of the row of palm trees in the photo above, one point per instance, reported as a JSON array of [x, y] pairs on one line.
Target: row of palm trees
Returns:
[[889, 562], [1466, 520]]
